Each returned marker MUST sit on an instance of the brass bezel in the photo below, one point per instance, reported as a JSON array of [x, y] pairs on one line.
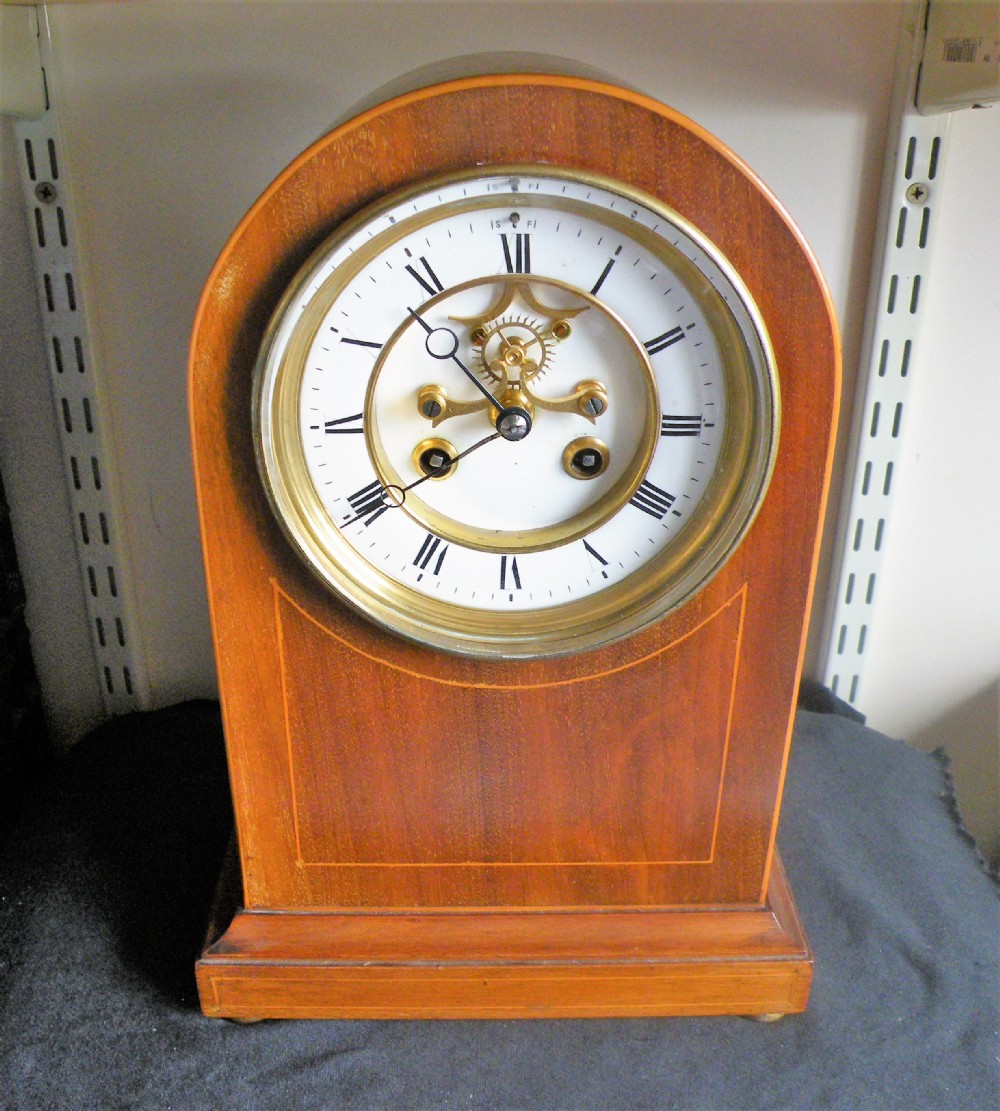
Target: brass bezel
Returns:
[[684, 567]]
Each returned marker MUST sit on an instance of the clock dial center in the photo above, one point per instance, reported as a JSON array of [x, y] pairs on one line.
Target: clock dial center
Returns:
[[490, 345]]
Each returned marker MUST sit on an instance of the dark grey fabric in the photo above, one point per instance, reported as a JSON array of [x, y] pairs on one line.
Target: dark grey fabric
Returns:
[[105, 884]]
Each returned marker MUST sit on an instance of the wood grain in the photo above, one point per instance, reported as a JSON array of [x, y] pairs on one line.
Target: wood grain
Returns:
[[509, 964], [369, 772]]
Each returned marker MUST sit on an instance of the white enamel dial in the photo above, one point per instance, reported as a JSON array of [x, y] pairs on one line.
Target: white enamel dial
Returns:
[[516, 413]]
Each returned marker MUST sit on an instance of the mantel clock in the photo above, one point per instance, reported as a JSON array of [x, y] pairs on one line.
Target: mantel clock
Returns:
[[512, 404]]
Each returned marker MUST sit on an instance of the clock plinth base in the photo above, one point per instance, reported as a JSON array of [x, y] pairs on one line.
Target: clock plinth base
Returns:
[[482, 963]]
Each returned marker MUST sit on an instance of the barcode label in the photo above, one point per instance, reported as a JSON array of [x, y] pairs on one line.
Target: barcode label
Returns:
[[961, 50]]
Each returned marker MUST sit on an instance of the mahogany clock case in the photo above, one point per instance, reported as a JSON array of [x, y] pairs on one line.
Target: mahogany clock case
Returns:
[[425, 834]]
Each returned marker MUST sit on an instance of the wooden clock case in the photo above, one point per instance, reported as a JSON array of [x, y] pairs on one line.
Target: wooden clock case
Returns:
[[426, 835]]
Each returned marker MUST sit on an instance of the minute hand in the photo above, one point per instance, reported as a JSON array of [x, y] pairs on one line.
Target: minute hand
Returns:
[[442, 343], [443, 468], [393, 497]]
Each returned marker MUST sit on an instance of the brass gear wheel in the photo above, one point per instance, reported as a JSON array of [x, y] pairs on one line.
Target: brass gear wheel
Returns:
[[515, 348]]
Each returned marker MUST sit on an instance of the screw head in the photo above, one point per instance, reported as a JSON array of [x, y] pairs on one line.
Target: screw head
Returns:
[[587, 463], [514, 424], [45, 191], [917, 193]]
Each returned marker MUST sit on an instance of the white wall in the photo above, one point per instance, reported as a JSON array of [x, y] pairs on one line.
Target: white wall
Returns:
[[934, 661], [176, 116]]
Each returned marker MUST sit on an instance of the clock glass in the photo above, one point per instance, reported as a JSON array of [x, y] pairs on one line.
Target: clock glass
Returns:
[[516, 412]]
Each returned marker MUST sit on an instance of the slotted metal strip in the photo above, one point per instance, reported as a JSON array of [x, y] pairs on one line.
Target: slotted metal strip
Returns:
[[910, 187], [79, 414]]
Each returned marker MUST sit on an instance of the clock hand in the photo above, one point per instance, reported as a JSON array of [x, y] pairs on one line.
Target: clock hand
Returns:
[[442, 343], [443, 468], [393, 497], [512, 422]]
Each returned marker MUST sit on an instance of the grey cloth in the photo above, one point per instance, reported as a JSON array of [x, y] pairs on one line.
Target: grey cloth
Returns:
[[104, 892]]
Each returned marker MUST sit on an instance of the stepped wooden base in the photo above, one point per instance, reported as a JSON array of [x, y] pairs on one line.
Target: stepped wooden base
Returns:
[[510, 963]]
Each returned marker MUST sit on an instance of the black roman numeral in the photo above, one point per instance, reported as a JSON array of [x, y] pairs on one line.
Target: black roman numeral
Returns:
[[595, 554], [658, 343], [431, 283], [343, 425], [368, 503], [431, 547], [652, 500], [517, 261], [676, 425], [362, 342], [605, 272], [510, 576]]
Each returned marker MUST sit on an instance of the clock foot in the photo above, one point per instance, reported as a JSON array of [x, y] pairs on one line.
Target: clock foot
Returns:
[[769, 1016]]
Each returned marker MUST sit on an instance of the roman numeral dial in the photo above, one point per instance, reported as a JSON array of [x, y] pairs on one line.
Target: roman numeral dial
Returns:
[[649, 498], [430, 555], [367, 504], [340, 426], [673, 424], [423, 274], [516, 252], [504, 414], [664, 340]]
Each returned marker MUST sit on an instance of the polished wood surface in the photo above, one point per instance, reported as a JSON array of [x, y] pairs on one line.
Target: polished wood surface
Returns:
[[512, 806], [510, 964], [370, 774]]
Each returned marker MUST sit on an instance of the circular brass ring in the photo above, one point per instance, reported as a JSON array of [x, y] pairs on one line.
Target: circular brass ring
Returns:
[[426, 450], [581, 446]]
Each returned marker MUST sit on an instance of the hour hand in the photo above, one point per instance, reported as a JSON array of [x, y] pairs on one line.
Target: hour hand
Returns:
[[435, 404]]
